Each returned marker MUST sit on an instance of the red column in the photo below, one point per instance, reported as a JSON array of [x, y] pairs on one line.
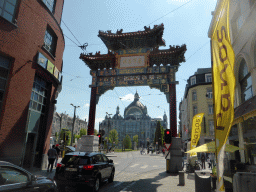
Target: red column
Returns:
[[173, 116], [92, 111]]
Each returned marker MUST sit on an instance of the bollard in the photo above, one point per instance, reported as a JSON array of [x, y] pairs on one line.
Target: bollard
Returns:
[[181, 178], [167, 165]]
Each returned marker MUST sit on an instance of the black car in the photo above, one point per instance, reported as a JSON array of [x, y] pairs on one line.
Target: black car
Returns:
[[84, 168], [15, 178]]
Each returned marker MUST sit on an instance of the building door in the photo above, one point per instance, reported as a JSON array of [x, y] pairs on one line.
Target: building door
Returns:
[[35, 125], [29, 152]]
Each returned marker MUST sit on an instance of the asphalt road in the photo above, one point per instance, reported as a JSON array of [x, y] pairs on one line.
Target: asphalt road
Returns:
[[132, 169]]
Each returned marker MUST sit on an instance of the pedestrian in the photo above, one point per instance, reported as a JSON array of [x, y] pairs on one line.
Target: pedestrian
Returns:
[[209, 163], [52, 155], [203, 161], [58, 153], [212, 159]]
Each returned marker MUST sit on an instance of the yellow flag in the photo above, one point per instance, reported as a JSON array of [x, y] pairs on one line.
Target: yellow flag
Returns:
[[196, 130], [224, 84]]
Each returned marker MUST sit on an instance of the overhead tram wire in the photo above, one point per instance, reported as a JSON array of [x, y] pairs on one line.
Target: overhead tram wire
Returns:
[[198, 50], [119, 97], [169, 12]]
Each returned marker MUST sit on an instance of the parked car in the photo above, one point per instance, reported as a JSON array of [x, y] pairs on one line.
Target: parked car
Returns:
[[84, 168], [15, 178]]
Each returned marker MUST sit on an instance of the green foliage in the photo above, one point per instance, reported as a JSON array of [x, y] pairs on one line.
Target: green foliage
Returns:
[[66, 142], [82, 132], [136, 139], [113, 136], [159, 134], [127, 142], [95, 132]]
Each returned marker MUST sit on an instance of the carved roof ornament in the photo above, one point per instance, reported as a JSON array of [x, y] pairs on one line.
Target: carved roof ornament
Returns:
[[150, 38]]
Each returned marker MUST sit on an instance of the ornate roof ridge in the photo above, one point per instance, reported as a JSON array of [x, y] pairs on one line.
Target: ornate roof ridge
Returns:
[[120, 34], [172, 49]]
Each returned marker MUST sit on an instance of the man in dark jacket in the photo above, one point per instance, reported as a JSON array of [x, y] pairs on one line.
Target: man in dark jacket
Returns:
[[52, 155], [203, 161]]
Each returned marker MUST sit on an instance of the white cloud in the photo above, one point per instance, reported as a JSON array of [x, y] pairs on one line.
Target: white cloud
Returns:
[[129, 97]]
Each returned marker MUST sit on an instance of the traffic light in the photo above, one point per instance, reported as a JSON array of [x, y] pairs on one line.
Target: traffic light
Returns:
[[168, 136], [64, 136], [100, 138], [67, 137]]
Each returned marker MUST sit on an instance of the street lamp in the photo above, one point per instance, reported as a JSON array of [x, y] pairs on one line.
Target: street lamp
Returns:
[[108, 129], [73, 122]]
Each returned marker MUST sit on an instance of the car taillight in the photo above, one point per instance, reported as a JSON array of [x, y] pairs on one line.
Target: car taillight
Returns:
[[88, 167], [60, 165]]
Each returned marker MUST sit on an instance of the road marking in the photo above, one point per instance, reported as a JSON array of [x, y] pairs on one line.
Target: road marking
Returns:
[[115, 163], [155, 166], [118, 184], [144, 167], [134, 165], [124, 190]]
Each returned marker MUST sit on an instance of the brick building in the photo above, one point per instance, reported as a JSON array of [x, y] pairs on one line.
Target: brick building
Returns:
[[31, 51]]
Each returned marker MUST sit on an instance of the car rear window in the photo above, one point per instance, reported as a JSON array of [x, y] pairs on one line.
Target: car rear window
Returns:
[[75, 160]]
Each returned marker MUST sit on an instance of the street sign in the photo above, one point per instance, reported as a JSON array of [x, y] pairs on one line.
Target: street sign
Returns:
[[167, 146], [168, 155]]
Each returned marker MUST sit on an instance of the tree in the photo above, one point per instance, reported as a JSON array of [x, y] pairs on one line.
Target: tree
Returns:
[[67, 133], [113, 136], [136, 139], [82, 132], [159, 134], [127, 142], [95, 132]]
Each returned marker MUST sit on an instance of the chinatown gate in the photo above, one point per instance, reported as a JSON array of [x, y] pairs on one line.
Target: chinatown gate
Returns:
[[133, 59]]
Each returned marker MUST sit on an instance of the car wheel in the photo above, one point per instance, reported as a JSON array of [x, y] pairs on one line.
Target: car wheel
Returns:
[[61, 188], [111, 178], [96, 185]]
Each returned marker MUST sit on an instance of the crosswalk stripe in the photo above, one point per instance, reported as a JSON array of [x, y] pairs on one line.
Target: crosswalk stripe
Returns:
[[155, 166], [144, 167], [134, 165]]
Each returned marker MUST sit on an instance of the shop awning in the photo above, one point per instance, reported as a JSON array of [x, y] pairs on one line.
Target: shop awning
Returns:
[[210, 148], [245, 111]]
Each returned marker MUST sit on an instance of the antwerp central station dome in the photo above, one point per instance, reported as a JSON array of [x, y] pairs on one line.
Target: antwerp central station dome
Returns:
[[136, 121]]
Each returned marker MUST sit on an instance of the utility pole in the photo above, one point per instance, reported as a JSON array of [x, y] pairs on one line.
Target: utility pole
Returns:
[[108, 128], [73, 122]]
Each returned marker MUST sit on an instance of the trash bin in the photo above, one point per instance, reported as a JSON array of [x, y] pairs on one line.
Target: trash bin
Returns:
[[202, 181]]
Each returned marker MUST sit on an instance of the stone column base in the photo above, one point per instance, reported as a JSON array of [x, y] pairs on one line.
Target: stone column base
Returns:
[[175, 163], [88, 143]]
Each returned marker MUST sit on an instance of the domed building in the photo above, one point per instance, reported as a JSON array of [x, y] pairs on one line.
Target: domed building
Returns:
[[135, 121]]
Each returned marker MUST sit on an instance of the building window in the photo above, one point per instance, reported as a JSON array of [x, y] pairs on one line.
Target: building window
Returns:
[[245, 82], [7, 9], [4, 72], [209, 93], [194, 98], [50, 4], [194, 110], [211, 127], [38, 95], [50, 41], [193, 80], [210, 107], [208, 78]]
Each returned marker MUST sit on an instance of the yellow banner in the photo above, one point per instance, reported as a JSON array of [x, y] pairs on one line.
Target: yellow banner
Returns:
[[196, 131], [224, 84]]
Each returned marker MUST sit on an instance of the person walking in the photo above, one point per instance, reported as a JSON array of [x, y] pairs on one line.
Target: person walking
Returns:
[[58, 153], [212, 159], [203, 161], [52, 155]]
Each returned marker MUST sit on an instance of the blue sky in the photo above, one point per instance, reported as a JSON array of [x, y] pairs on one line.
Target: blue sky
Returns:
[[188, 25]]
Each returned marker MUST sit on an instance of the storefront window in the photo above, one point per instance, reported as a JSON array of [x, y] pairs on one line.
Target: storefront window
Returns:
[[245, 82]]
